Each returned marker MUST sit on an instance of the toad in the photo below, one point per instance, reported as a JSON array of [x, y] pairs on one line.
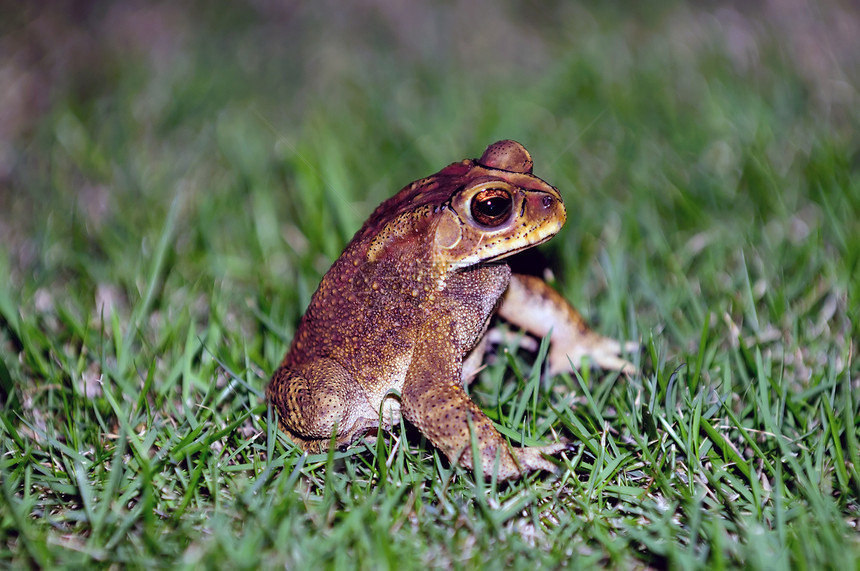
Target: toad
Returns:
[[390, 329]]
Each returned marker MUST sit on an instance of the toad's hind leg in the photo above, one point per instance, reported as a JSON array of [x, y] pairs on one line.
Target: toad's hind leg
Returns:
[[532, 304], [313, 400]]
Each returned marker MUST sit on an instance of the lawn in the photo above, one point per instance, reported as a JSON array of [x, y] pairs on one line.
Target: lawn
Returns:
[[175, 179]]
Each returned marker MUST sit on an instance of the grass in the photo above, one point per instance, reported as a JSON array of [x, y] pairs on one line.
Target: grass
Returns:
[[170, 205]]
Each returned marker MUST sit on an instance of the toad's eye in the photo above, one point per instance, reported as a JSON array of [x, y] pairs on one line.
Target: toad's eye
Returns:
[[492, 207]]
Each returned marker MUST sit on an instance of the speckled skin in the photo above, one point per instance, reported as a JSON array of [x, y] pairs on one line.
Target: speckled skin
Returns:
[[393, 320]]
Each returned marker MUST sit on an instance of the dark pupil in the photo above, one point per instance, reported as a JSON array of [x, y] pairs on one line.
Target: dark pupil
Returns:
[[494, 207]]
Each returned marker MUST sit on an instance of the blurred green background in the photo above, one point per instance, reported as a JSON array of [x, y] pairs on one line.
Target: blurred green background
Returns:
[[175, 178]]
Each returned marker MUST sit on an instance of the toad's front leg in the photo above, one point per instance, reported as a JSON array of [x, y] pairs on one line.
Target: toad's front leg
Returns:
[[434, 401]]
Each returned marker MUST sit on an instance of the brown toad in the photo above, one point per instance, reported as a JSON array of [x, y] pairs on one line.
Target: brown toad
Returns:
[[390, 329]]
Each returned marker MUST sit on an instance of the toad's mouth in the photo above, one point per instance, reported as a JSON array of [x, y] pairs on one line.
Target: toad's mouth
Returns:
[[513, 251], [466, 264]]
